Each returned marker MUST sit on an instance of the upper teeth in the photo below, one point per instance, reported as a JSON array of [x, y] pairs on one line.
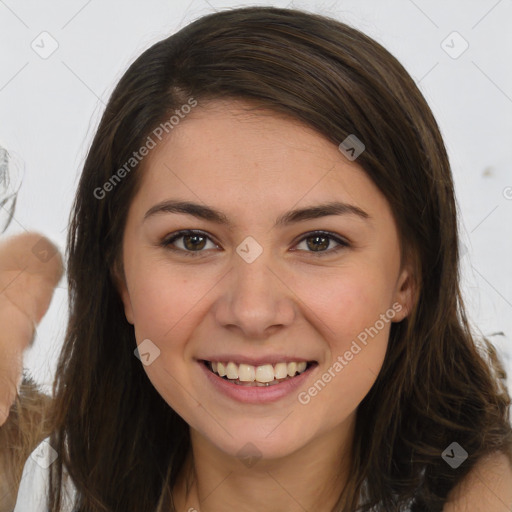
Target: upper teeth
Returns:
[[264, 373]]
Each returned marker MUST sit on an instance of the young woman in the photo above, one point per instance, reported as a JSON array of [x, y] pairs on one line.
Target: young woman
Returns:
[[265, 307]]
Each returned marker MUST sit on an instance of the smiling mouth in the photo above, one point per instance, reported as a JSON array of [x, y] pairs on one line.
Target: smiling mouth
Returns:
[[258, 376]]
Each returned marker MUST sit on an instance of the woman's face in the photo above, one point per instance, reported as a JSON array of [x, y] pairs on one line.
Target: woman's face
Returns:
[[271, 281]]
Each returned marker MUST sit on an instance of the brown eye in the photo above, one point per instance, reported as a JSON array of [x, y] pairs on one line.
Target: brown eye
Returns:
[[194, 242], [188, 243], [320, 243]]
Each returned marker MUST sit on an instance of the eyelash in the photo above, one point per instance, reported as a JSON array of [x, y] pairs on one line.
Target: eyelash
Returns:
[[166, 243]]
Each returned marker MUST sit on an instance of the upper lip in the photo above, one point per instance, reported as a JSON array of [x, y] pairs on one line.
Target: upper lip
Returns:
[[254, 361]]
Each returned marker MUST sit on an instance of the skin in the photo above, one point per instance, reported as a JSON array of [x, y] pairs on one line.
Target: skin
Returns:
[[487, 488], [254, 167], [30, 268]]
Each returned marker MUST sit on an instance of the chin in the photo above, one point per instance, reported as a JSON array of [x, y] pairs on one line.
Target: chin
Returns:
[[258, 444]]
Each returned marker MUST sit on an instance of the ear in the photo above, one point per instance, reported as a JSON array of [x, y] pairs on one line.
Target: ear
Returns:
[[405, 293], [119, 280]]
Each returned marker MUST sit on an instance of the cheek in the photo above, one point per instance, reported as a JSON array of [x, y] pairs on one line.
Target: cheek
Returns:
[[165, 309], [163, 302], [352, 310], [346, 302]]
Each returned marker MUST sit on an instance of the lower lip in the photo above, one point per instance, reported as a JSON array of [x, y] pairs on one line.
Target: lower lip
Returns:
[[256, 394]]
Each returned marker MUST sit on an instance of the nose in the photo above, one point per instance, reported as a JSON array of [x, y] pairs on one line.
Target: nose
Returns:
[[255, 299]]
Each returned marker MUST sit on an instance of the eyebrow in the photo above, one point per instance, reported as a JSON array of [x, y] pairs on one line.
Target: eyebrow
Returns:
[[293, 216]]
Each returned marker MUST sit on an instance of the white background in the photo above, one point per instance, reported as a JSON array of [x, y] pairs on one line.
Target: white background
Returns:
[[50, 107]]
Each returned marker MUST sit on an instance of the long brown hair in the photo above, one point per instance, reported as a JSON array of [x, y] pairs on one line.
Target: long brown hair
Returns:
[[121, 443]]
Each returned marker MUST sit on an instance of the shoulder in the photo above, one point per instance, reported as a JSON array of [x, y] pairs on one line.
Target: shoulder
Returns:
[[34, 485], [487, 487]]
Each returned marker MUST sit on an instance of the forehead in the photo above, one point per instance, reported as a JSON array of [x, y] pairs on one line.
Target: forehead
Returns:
[[234, 153], [233, 132]]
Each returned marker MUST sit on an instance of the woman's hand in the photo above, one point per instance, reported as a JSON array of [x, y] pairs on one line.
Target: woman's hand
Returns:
[[30, 268]]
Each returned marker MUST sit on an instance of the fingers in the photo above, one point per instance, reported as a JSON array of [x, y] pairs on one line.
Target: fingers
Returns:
[[16, 332], [30, 268], [32, 252]]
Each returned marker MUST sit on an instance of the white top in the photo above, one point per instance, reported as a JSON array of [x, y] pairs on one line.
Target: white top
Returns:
[[33, 490]]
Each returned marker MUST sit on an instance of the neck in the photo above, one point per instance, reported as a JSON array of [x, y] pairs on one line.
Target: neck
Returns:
[[311, 478]]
